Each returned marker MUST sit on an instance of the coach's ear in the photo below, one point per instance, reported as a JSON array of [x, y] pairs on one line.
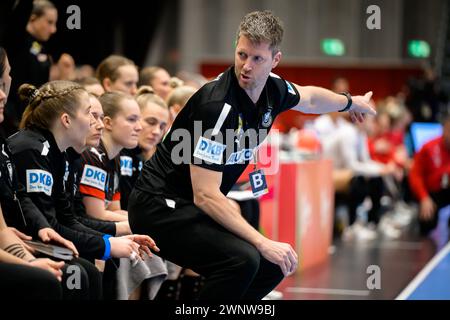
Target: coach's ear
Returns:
[[276, 59]]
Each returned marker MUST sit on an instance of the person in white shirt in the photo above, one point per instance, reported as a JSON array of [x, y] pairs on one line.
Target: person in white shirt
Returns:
[[346, 144]]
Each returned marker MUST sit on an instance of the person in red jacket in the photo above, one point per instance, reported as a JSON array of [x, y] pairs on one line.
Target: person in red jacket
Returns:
[[429, 178]]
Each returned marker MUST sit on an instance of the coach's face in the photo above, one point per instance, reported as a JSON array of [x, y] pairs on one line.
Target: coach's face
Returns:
[[253, 63]]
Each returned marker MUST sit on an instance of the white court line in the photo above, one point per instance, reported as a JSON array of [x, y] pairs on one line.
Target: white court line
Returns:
[[342, 292], [424, 273]]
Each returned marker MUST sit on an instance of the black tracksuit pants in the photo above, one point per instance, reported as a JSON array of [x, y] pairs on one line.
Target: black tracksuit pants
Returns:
[[233, 268], [18, 282]]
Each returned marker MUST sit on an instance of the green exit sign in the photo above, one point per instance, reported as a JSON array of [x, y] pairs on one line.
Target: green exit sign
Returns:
[[333, 47], [418, 49]]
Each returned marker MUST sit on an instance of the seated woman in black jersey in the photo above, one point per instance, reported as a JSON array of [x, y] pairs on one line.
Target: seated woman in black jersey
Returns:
[[98, 190], [75, 165], [37, 278], [100, 169], [21, 274], [58, 117], [154, 121]]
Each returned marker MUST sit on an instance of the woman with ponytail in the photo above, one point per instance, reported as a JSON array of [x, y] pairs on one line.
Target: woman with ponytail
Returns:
[[99, 192], [37, 278], [154, 121], [58, 116]]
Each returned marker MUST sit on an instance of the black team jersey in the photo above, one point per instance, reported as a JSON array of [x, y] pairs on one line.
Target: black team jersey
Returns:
[[219, 129]]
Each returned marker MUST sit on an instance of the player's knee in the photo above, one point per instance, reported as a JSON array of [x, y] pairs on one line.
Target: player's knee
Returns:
[[248, 261]]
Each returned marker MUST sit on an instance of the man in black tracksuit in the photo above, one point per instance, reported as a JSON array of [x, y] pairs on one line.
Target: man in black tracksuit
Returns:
[[180, 197], [131, 163]]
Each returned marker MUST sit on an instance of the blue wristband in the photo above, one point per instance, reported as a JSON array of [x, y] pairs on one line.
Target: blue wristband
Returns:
[[107, 253]]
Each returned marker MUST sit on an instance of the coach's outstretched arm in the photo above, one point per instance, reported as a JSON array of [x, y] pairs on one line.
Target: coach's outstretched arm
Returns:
[[207, 196], [318, 100]]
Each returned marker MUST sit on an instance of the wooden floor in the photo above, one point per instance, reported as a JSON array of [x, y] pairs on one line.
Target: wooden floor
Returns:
[[345, 275]]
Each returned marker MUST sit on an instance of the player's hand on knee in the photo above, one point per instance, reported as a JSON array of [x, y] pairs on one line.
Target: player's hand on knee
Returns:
[[49, 265], [281, 254], [123, 247], [145, 242]]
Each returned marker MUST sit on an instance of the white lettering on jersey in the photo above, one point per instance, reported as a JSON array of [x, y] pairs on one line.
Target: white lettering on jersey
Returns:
[[240, 157]]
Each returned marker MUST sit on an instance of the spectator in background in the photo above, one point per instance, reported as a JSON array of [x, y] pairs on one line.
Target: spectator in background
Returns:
[[31, 24], [117, 73], [340, 84], [386, 145], [426, 100], [92, 85], [346, 144], [177, 99], [356, 176], [175, 82], [158, 78], [429, 178], [84, 71], [194, 80], [64, 69]]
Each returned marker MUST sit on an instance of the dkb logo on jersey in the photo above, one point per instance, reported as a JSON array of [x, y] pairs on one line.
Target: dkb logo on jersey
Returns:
[[258, 183], [94, 177], [39, 181], [209, 150], [126, 166]]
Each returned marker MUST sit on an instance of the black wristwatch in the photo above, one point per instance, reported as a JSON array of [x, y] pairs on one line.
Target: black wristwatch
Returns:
[[349, 103]]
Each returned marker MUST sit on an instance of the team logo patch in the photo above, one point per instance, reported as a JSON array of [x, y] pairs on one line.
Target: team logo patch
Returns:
[[274, 75], [8, 163], [290, 88], [126, 166], [267, 118], [209, 150], [39, 181], [45, 148], [10, 170], [98, 154], [240, 157], [66, 172], [94, 177]]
